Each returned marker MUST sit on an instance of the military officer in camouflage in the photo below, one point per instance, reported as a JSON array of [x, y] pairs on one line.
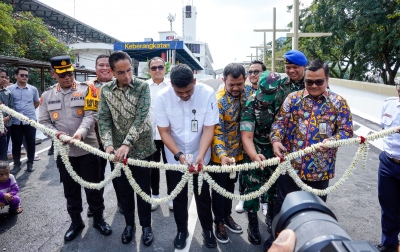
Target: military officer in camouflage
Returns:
[[63, 107], [257, 117]]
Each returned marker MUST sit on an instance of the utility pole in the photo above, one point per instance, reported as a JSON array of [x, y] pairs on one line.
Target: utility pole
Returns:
[[257, 47], [296, 34]]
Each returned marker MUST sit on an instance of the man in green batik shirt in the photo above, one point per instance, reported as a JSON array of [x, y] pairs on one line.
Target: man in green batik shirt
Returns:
[[125, 130], [257, 117]]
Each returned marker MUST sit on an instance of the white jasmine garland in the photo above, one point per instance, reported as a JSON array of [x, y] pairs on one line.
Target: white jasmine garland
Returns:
[[63, 150], [200, 182]]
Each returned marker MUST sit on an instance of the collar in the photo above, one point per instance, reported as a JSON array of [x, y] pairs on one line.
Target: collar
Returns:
[[16, 85], [324, 94], [72, 88], [115, 86], [152, 82]]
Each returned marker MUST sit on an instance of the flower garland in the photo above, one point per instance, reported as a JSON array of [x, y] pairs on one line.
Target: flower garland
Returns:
[[282, 168]]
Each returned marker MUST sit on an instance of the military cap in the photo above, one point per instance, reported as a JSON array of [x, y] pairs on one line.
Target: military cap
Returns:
[[61, 64], [295, 57], [268, 86]]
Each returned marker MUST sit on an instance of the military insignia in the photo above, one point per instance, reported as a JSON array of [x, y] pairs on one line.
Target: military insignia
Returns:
[[58, 88], [79, 111], [55, 115], [63, 63], [285, 60], [73, 86], [40, 100]]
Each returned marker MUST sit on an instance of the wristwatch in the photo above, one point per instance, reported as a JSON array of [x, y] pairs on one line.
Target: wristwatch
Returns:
[[177, 155]]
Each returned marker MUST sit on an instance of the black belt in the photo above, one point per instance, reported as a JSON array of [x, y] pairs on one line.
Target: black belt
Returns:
[[396, 160]]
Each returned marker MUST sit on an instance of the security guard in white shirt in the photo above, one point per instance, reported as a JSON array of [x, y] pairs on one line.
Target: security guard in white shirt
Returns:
[[389, 176]]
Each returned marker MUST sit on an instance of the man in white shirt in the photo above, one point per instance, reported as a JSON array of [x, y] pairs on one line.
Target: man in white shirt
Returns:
[[157, 82], [186, 115]]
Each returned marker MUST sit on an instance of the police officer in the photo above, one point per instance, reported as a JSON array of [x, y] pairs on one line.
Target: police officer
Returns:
[[62, 108], [389, 176]]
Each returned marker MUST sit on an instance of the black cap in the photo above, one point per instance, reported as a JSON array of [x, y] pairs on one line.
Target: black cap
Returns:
[[61, 64]]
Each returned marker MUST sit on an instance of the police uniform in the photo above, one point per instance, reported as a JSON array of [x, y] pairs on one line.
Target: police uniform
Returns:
[[68, 111], [389, 177]]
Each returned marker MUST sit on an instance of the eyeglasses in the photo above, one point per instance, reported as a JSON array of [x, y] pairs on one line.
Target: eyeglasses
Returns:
[[154, 68], [318, 82], [255, 72], [123, 72], [62, 75], [24, 75]]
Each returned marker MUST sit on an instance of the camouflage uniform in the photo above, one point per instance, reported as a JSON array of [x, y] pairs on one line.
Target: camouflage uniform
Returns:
[[258, 114]]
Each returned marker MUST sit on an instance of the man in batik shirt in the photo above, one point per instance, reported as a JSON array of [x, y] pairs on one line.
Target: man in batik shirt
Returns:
[[307, 117]]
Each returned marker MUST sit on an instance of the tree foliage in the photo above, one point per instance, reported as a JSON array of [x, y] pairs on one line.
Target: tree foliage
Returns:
[[365, 36], [25, 36]]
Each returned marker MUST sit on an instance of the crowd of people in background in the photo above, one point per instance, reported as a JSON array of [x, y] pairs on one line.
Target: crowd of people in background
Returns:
[[182, 121]]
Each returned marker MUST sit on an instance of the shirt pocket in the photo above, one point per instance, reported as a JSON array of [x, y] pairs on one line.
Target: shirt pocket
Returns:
[[77, 108], [385, 120], [175, 118]]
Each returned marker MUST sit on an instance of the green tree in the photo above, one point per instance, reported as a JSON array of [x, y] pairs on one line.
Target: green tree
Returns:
[[7, 30], [364, 36]]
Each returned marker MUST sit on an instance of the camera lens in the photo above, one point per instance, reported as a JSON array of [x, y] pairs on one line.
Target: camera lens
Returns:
[[312, 221]]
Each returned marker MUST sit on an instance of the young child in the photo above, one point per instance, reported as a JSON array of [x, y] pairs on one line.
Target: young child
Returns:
[[9, 189]]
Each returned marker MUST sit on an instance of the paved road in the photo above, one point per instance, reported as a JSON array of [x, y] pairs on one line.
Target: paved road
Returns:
[[44, 221]]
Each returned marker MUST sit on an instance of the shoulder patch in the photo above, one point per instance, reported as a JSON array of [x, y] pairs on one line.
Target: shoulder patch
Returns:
[[392, 98], [51, 87]]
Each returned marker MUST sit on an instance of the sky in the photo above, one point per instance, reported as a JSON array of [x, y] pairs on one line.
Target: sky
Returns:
[[225, 25]]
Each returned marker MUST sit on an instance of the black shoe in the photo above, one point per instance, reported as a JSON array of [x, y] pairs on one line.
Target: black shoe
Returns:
[[232, 225], [209, 239], [127, 235], [16, 169], [147, 236], [29, 167], [382, 248], [89, 213], [220, 233], [253, 232], [76, 226], [268, 243], [102, 226], [51, 150], [180, 240]]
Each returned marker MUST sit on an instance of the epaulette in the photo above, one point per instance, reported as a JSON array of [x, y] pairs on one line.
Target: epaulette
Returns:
[[51, 87], [392, 98]]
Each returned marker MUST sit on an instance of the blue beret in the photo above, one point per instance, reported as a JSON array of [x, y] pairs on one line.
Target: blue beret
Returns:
[[295, 57]]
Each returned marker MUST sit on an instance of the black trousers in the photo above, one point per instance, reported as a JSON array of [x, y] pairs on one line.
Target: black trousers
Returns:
[[203, 203], [155, 173], [126, 195], [18, 132], [222, 206], [3, 146], [103, 162], [287, 185], [88, 168]]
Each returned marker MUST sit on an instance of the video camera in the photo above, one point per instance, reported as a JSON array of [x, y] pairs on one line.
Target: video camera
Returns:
[[315, 226]]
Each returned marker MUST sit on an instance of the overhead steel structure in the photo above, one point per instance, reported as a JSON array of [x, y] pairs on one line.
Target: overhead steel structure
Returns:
[[67, 29]]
